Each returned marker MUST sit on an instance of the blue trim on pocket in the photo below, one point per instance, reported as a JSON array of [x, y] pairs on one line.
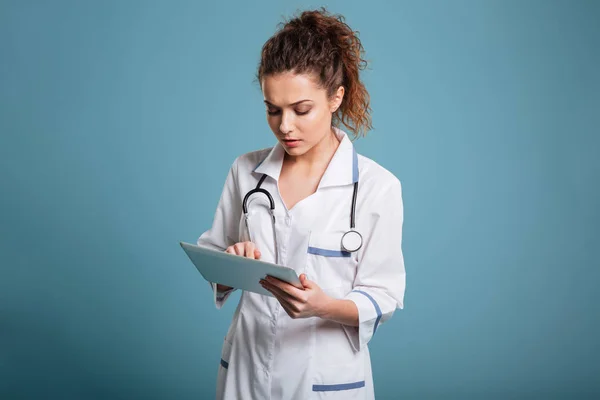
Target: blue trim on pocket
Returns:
[[334, 388], [377, 309], [328, 253], [224, 364]]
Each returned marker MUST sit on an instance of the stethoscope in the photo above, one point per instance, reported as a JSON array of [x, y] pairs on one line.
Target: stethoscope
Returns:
[[351, 241]]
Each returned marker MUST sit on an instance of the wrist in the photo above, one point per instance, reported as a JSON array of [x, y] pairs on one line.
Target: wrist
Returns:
[[327, 308], [342, 311]]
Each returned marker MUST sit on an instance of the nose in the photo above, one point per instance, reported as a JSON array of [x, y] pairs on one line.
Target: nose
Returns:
[[286, 124]]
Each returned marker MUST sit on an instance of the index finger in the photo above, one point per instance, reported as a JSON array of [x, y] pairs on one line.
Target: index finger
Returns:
[[249, 250]]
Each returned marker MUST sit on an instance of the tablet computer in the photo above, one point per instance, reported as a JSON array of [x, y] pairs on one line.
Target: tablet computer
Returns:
[[237, 271]]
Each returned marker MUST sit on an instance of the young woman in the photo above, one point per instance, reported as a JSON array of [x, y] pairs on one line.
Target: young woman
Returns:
[[332, 215]]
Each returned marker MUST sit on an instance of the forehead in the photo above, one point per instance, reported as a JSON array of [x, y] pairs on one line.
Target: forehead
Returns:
[[286, 88]]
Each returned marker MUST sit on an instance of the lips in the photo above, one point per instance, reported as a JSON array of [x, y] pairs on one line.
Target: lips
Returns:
[[291, 142]]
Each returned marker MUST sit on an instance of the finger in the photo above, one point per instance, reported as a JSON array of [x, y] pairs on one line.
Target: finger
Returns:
[[285, 305], [288, 310], [305, 282], [292, 302], [230, 250], [291, 309], [303, 279], [239, 249], [291, 290], [256, 254], [249, 250]]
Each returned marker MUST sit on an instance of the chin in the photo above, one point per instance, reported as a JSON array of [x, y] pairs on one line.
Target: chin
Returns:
[[295, 151]]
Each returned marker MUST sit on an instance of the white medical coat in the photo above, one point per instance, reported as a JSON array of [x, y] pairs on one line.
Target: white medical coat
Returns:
[[268, 355]]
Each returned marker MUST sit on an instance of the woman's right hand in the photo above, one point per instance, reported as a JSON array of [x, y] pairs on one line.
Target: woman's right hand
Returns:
[[244, 249]]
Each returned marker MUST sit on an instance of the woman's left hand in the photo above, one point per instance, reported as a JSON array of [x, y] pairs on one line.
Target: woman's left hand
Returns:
[[298, 303]]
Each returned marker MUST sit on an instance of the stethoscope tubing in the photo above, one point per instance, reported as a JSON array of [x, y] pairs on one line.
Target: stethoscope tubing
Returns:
[[258, 189]]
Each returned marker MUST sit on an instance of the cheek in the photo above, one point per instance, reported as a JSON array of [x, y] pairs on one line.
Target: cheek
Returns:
[[311, 121], [273, 122]]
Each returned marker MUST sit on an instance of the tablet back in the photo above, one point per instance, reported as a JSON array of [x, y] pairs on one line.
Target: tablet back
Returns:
[[237, 271]]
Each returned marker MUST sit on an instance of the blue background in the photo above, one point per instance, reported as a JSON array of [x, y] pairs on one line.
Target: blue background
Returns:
[[119, 121]]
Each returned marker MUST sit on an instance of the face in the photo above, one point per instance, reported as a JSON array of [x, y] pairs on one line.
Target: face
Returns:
[[298, 111]]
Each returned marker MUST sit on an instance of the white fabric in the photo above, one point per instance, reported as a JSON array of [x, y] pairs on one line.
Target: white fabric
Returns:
[[268, 355]]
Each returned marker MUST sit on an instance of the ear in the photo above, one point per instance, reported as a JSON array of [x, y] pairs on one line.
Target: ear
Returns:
[[336, 101]]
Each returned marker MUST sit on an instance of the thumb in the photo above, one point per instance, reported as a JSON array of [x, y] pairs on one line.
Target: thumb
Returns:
[[305, 282]]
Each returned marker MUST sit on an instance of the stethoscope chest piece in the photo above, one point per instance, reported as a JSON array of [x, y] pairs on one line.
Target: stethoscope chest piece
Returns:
[[351, 241]]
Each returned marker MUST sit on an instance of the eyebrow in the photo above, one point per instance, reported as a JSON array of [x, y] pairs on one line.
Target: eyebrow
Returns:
[[293, 104]]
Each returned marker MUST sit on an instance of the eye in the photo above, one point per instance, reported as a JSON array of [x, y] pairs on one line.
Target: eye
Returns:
[[275, 112]]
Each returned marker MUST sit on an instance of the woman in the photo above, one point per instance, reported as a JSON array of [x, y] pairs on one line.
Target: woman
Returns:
[[311, 343]]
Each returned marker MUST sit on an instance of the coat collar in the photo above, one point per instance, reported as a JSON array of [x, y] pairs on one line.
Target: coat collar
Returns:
[[342, 169]]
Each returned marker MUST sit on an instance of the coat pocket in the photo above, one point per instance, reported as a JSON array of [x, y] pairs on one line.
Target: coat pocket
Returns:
[[328, 264], [340, 381]]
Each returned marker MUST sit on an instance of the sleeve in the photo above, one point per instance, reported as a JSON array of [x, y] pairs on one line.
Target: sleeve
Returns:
[[380, 281], [224, 231]]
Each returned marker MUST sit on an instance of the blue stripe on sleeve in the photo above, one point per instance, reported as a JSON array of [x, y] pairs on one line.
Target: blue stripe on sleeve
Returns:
[[377, 309]]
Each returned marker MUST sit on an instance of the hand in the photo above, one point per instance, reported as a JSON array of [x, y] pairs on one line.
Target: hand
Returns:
[[244, 249], [298, 303]]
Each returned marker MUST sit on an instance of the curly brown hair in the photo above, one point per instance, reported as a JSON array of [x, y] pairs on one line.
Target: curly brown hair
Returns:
[[321, 43]]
